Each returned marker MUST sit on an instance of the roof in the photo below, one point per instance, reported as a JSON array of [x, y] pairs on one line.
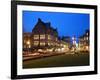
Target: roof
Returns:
[[42, 27]]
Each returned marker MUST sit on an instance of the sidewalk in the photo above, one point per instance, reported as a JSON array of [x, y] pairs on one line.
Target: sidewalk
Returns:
[[41, 55]]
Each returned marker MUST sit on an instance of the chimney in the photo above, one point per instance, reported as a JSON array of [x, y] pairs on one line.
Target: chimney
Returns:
[[39, 20]]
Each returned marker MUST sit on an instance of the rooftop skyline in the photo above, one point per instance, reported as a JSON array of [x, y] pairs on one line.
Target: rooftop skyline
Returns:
[[67, 24]]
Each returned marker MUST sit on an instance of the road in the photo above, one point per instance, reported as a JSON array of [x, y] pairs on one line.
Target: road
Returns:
[[58, 61]]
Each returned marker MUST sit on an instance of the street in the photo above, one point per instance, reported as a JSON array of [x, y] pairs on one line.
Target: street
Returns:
[[58, 61]]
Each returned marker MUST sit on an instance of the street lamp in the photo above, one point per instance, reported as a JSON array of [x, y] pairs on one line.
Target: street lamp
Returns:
[[28, 43]]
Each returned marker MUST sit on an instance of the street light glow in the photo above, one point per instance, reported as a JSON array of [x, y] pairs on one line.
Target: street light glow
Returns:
[[28, 42]]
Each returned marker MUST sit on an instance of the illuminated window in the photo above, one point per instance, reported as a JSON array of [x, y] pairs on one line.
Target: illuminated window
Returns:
[[56, 39], [86, 33], [36, 43], [42, 36], [61, 44], [49, 43], [42, 43], [87, 38], [36, 36], [49, 37], [29, 46]]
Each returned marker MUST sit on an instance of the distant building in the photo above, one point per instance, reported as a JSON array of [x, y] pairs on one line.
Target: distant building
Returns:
[[44, 36], [84, 41], [26, 41], [67, 41]]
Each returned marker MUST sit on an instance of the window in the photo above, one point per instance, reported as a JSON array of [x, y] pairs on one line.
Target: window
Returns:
[[87, 34], [56, 39], [24, 41], [24, 46], [87, 38], [36, 36], [42, 43], [42, 36], [49, 43], [36, 43], [49, 37]]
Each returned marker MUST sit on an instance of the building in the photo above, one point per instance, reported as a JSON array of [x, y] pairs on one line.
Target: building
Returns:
[[44, 36], [84, 41], [26, 41], [67, 41]]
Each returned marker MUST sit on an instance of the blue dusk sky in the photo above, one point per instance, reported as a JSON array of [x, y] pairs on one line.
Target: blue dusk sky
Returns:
[[67, 24]]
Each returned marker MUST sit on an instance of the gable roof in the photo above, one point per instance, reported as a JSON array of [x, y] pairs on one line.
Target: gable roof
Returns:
[[42, 27]]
